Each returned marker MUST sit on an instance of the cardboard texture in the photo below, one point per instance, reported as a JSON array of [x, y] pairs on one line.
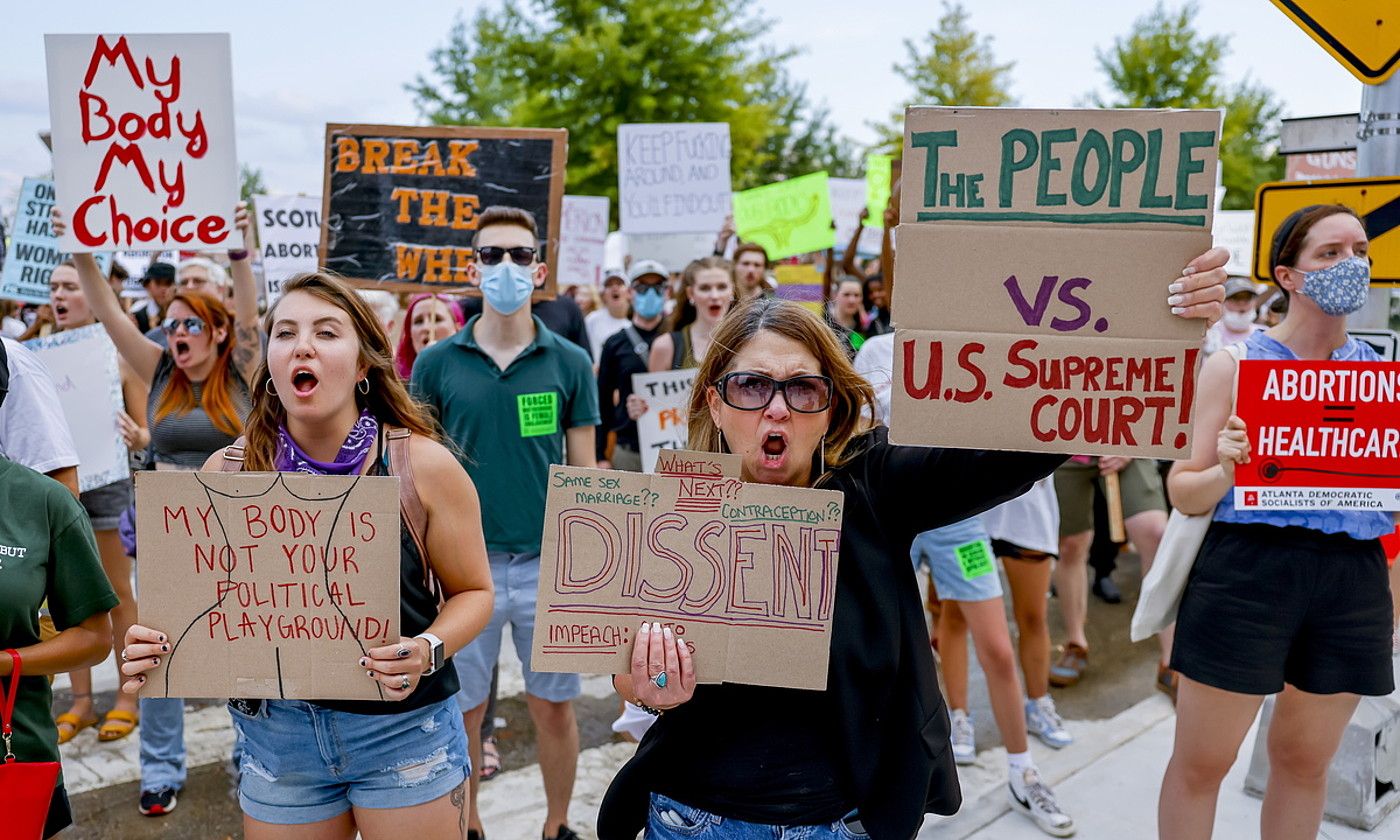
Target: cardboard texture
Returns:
[[34, 252], [269, 585], [673, 177], [83, 364], [582, 235], [289, 234], [1322, 435], [787, 217], [666, 423], [142, 136], [744, 573], [401, 202]]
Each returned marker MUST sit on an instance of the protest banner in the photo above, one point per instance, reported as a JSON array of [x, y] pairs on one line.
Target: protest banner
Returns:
[[83, 364], [34, 251], [1050, 331], [142, 137], [801, 284], [787, 217], [583, 231], [1322, 435], [847, 200], [666, 424], [289, 236], [672, 177], [673, 250], [879, 182], [401, 203], [269, 585], [744, 574]]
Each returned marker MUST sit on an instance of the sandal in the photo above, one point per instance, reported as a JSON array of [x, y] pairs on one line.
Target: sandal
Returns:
[[1070, 667], [490, 759], [74, 725], [117, 724]]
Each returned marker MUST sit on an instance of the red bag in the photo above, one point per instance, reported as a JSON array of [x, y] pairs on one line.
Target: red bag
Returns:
[[26, 787]]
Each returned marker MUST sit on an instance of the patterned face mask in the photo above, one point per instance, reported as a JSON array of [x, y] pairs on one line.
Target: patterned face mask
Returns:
[[1339, 289]]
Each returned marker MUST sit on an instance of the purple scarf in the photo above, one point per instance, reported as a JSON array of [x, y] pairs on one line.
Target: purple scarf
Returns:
[[348, 461]]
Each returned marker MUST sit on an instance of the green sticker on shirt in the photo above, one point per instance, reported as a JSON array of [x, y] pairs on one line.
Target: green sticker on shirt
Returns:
[[975, 558], [539, 413]]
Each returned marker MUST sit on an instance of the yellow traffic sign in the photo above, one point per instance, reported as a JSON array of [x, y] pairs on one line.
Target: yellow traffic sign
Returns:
[[1375, 200], [1364, 35]]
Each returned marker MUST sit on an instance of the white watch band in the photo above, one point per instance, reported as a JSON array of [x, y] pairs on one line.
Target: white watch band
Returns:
[[433, 643]]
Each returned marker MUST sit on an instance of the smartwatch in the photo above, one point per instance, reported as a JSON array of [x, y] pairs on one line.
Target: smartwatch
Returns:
[[435, 652]]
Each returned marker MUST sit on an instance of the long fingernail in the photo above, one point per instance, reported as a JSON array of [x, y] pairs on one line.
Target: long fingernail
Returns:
[[667, 633], [1176, 287], [1188, 271], [1178, 310], [1176, 300], [645, 628]]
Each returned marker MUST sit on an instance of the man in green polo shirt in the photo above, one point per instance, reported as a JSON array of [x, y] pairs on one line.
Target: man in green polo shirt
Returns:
[[510, 394]]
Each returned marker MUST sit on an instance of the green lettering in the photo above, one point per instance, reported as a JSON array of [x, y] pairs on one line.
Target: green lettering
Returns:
[[1187, 165], [1150, 198], [974, 190], [1049, 163], [1093, 143], [1121, 165], [932, 141], [1010, 164], [949, 188]]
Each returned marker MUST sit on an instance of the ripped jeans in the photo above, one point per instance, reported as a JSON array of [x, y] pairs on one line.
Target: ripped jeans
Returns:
[[303, 763]]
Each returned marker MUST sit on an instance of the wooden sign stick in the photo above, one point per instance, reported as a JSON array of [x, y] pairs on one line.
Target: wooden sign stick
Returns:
[[1113, 493]]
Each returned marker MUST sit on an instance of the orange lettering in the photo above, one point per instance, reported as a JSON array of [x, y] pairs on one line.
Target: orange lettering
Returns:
[[347, 154]]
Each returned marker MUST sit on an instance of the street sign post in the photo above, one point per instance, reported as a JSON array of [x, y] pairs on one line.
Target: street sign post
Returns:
[[1376, 200], [1364, 35]]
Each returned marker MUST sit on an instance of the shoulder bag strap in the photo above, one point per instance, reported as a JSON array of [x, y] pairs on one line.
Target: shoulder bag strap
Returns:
[[233, 456], [639, 344]]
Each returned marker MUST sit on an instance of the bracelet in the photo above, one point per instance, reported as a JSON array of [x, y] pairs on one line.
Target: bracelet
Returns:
[[236, 254], [648, 709]]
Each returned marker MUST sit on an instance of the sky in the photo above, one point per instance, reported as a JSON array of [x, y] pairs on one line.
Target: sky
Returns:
[[295, 67]]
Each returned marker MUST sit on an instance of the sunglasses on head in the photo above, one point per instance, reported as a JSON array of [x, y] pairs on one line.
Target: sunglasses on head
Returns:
[[808, 394], [192, 325], [492, 254]]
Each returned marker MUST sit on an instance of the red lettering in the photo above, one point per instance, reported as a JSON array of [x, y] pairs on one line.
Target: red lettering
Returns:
[[1126, 412], [128, 155], [1014, 357], [252, 517], [933, 384], [209, 226], [80, 227], [111, 53]]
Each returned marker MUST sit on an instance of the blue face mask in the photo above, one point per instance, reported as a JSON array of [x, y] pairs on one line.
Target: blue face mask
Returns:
[[1339, 289], [647, 303], [506, 286]]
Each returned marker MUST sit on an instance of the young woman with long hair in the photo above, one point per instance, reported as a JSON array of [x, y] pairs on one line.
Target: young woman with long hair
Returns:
[[708, 293], [429, 319], [329, 402]]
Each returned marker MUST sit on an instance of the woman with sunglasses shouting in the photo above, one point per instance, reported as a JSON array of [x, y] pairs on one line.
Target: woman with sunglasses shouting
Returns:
[[199, 398], [869, 755]]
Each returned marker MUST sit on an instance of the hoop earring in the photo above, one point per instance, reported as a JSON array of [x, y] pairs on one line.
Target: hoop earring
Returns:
[[268, 387], [363, 386]]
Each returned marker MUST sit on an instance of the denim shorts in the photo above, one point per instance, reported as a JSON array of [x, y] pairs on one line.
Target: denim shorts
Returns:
[[517, 581], [304, 763], [668, 819], [960, 559]]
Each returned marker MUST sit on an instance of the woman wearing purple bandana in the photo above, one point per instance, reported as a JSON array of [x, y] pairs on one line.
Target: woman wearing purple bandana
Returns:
[[326, 402]]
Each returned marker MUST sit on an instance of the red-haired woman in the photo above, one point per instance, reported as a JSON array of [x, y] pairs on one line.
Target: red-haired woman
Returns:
[[429, 319]]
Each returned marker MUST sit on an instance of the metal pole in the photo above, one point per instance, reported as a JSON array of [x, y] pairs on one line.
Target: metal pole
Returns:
[[1378, 155]]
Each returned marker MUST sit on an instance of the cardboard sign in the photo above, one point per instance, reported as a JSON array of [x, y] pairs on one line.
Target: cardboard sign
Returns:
[[666, 424], [1234, 229], [788, 217], [142, 137], [879, 182], [268, 585], [745, 574], [673, 177], [83, 364], [401, 202], [1032, 294], [801, 284], [1322, 435], [582, 234], [847, 200], [34, 251], [673, 250], [289, 234]]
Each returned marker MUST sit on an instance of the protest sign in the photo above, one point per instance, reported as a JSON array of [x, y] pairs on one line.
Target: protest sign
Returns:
[[847, 200], [666, 424], [1322, 435], [83, 364], [142, 134], [879, 182], [801, 284], [34, 252], [673, 250], [744, 574], [1234, 229], [672, 177], [289, 234], [401, 203], [268, 585], [583, 232], [787, 217], [1050, 331]]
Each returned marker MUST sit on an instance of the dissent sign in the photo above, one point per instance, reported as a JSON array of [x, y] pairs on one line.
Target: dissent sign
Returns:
[[1322, 435]]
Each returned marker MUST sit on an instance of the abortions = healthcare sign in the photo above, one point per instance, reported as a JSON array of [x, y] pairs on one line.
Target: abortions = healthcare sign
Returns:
[[1322, 435], [289, 233], [143, 151], [269, 585], [672, 177], [1050, 331], [744, 574], [34, 251]]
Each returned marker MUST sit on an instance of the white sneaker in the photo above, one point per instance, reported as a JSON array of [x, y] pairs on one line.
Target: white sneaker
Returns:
[[964, 738], [1044, 722], [1032, 797]]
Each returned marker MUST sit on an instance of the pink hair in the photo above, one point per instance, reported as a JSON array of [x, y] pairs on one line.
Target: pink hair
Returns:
[[403, 360]]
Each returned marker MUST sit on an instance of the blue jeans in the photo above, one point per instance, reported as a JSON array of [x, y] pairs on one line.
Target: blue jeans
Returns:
[[162, 733], [672, 820]]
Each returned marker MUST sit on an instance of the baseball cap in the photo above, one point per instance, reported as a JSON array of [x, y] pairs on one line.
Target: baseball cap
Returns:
[[641, 268], [159, 271], [615, 271], [1241, 285]]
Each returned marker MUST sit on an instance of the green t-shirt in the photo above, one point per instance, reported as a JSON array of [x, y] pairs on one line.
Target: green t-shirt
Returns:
[[46, 551], [509, 425]]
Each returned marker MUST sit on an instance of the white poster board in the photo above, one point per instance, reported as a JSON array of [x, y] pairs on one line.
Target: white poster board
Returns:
[[847, 200], [673, 250], [1234, 229], [666, 424], [83, 363], [673, 177], [289, 236], [143, 151], [582, 235]]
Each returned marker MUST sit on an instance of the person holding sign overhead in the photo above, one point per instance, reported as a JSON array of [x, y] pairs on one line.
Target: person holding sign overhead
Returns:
[[329, 402], [1286, 602]]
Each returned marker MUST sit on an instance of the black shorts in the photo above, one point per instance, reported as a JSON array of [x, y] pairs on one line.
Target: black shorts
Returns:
[[1266, 606], [1015, 551]]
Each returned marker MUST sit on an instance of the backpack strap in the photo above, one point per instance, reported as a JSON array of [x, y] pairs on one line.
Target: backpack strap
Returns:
[[678, 343], [415, 516], [233, 456], [639, 344]]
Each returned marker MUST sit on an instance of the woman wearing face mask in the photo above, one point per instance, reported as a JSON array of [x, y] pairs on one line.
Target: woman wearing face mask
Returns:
[[104, 506], [1238, 322], [429, 319], [708, 291], [1286, 602]]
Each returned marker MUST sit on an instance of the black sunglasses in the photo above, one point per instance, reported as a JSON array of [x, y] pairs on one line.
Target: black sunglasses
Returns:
[[193, 326], [747, 391], [492, 254]]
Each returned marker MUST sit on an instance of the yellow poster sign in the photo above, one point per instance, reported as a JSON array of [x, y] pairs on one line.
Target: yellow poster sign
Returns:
[[1375, 200], [1364, 35]]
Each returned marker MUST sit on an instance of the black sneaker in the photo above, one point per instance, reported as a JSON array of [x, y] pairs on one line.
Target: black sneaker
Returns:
[[158, 802], [565, 833], [1107, 590]]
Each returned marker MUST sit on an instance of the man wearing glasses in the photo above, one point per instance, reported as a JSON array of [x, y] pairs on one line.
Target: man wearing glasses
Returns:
[[510, 394], [625, 354]]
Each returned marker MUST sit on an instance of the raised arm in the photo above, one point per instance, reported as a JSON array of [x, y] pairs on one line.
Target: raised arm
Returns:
[[247, 348], [848, 259]]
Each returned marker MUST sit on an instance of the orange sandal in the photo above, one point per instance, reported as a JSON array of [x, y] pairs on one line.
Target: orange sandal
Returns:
[[74, 725], [117, 725]]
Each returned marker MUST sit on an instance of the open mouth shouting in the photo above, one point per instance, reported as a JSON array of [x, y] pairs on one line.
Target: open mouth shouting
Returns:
[[60, 312], [180, 349], [716, 310], [775, 447], [304, 382]]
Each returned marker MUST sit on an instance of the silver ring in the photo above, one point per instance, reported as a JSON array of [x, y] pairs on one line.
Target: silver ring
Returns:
[[406, 682], [123, 655], [659, 680]]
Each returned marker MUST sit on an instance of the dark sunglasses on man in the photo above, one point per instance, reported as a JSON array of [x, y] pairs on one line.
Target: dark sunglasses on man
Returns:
[[192, 325], [492, 254], [747, 391]]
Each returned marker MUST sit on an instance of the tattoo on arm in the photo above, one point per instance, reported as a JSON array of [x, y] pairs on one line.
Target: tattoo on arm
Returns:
[[246, 348]]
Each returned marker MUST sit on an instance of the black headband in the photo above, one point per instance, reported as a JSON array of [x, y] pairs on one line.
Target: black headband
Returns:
[[1285, 232]]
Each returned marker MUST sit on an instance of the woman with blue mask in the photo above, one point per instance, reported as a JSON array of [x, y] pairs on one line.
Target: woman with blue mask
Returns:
[[624, 354], [1288, 602]]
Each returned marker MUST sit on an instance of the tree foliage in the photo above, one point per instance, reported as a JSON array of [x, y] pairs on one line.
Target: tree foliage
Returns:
[[250, 182]]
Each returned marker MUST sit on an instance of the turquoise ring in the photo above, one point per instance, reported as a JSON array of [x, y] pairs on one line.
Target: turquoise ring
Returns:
[[660, 680]]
